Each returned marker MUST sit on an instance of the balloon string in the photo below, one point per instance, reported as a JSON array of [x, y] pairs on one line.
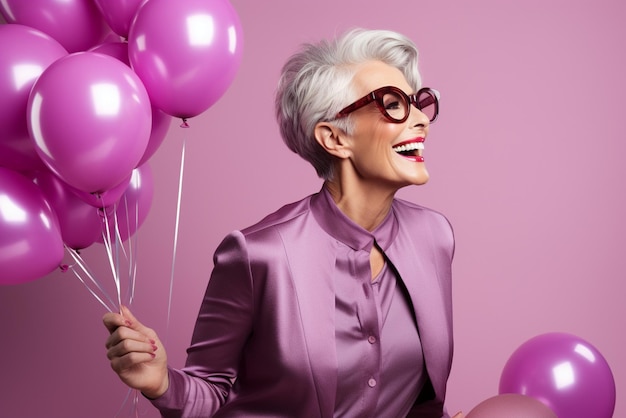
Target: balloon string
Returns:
[[132, 243], [116, 260], [130, 253], [85, 269], [106, 235], [81, 263], [135, 403], [176, 228]]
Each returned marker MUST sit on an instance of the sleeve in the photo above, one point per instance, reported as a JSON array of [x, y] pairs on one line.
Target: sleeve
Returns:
[[221, 330]]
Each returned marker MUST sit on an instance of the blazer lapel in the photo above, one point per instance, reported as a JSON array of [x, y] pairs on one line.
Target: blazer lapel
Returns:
[[312, 265], [414, 259]]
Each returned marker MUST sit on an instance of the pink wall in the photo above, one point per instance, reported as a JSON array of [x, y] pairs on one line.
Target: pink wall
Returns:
[[526, 161]]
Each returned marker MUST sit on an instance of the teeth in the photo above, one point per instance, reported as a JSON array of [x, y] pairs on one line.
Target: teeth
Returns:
[[409, 147]]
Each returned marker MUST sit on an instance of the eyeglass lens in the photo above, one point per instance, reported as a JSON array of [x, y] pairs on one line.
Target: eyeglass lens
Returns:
[[397, 106], [427, 103]]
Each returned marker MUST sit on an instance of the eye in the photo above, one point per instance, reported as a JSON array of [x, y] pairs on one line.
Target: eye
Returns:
[[393, 105]]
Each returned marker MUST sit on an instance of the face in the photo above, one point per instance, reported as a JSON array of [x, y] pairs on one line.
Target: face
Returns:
[[383, 153]]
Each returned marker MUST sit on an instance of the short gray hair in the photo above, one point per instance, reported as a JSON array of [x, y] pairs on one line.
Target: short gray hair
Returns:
[[316, 83]]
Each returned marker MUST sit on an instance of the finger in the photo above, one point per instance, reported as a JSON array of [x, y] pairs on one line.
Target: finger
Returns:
[[112, 321], [130, 360], [126, 347], [124, 333], [134, 323]]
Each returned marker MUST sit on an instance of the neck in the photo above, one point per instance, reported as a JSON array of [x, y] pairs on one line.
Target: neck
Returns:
[[365, 204]]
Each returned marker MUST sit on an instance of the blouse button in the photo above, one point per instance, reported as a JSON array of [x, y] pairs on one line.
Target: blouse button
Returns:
[[372, 382], [371, 339]]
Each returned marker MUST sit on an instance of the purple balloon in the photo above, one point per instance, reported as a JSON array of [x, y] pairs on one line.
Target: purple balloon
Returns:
[[119, 14], [106, 198], [511, 405], [26, 53], [30, 236], [160, 127], [186, 52], [90, 118], [118, 50], [160, 120], [80, 222], [133, 207], [563, 371], [75, 24]]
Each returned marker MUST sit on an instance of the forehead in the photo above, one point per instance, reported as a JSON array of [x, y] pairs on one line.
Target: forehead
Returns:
[[375, 74]]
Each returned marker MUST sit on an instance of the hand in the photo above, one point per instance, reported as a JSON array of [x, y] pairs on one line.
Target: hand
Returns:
[[136, 353]]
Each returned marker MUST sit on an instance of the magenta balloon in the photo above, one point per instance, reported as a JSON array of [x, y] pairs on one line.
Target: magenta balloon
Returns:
[[133, 207], [564, 372], [160, 127], [80, 223], [118, 14], [117, 50], [186, 52], [107, 198], [160, 120], [75, 24], [30, 237], [90, 117], [25, 54], [511, 405]]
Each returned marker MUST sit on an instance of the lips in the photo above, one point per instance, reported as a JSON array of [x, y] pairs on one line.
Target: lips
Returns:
[[411, 149]]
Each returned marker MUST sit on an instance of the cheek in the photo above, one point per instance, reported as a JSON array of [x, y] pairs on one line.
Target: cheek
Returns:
[[386, 133]]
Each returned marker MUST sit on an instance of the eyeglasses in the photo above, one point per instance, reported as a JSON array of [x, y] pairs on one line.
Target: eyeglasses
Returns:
[[395, 104]]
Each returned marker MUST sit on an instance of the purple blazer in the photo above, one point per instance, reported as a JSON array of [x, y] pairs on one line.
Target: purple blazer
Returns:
[[264, 341]]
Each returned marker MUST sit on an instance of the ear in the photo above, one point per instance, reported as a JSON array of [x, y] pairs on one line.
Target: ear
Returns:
[[332, 139]]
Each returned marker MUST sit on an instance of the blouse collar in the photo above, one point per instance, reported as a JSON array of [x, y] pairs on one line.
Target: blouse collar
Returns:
[[339, 226]]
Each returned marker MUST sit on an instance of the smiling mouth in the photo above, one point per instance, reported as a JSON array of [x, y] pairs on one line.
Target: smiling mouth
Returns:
[[411, 150]]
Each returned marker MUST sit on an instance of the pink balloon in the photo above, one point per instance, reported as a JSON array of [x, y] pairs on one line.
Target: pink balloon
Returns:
[[118, 50], [90, 117], [75, 24], [564, 372], [511, 406], [30, 236], [107, 198], [186, 52], [133, 207], [80, 223], [160, 127], [119, 14], [160, 120], [26, 53]]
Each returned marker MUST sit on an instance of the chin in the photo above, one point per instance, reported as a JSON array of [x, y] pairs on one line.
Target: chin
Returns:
[[420, 178], [420, 182]]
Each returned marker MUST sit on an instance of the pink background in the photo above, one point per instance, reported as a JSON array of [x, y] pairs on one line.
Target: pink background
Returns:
[[526, 161]]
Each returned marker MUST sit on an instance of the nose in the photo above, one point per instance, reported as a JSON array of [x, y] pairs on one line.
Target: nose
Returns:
[[417, 118]]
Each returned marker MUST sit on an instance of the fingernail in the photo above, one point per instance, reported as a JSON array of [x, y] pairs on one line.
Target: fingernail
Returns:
[[152, 354], [152, 341], [154, 347], [127, 323]]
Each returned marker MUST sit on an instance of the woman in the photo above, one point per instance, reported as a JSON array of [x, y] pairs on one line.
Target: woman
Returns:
[[339, 304]]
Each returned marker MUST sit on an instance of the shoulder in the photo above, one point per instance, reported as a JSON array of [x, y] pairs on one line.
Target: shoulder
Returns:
[[285, 215], [267, 232]]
